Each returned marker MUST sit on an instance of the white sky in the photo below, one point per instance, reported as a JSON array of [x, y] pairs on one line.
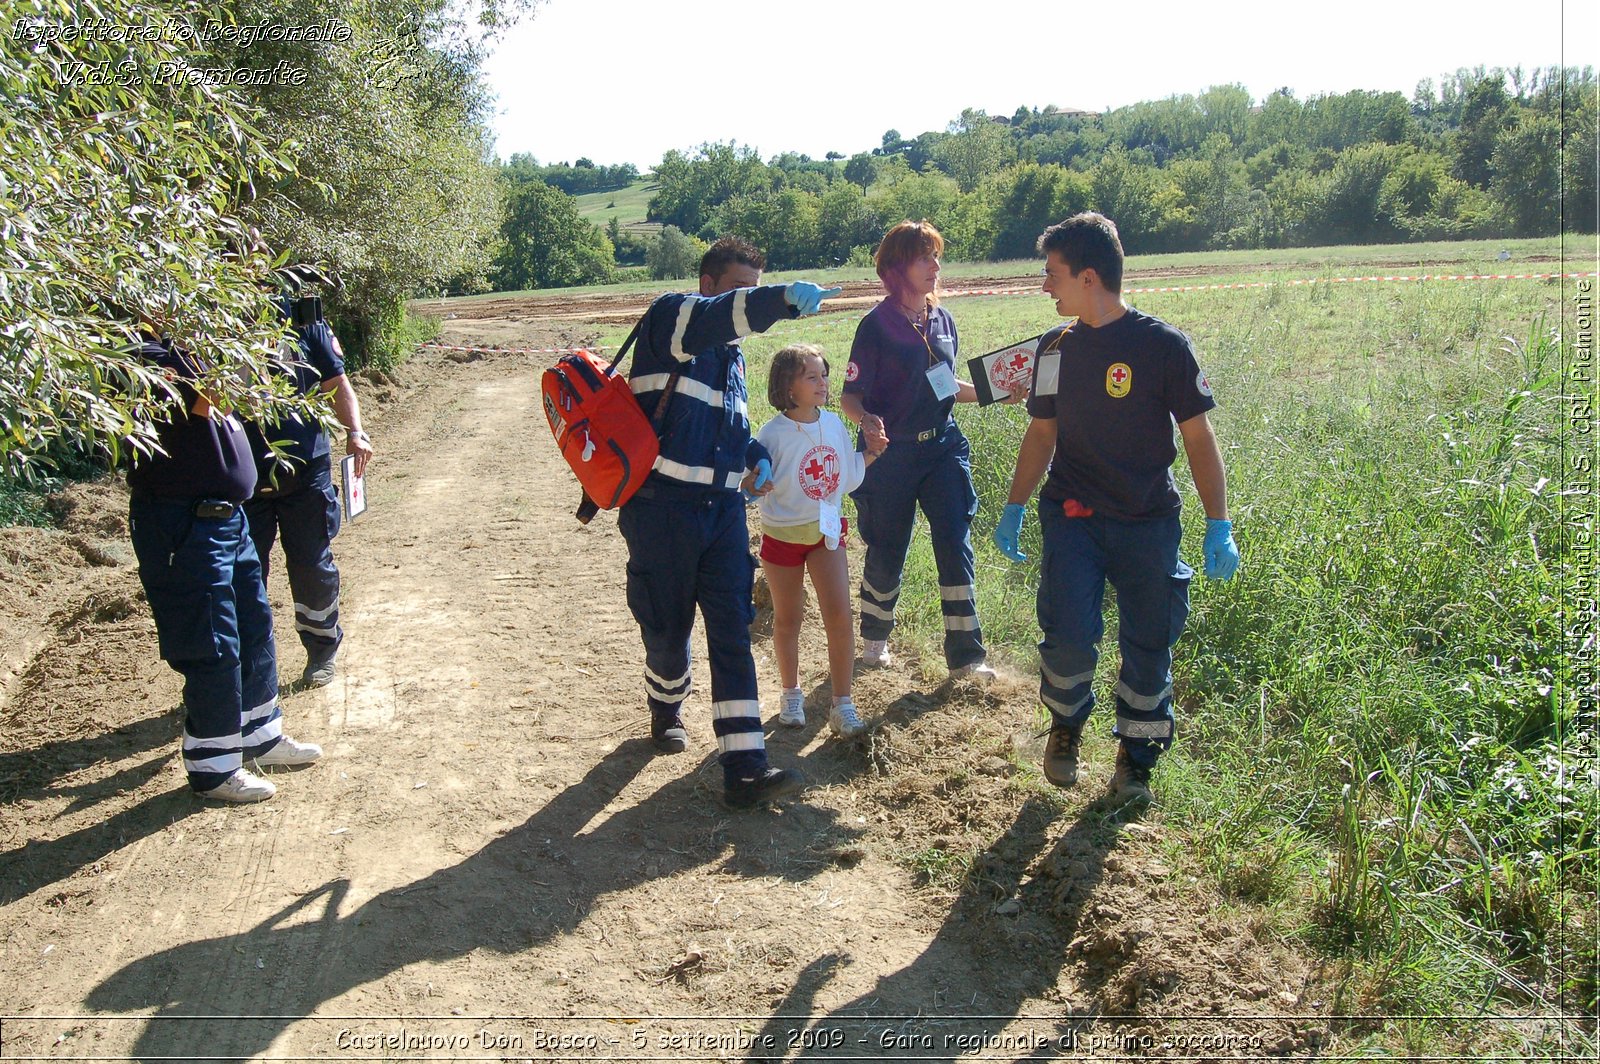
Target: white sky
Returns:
[[625, 80]]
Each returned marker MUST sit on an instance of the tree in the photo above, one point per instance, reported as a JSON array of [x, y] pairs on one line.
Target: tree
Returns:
[[545, 243], [975, 148], [674, 254], [1526, 168], [1349, 209], [861, 169], [1026, 199], [1486, 112], [1123, 188], [121, 197], [388, 132]]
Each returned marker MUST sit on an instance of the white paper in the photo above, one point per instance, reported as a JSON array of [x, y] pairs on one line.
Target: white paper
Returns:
[[355, 488], [829, 523], [943, 380]]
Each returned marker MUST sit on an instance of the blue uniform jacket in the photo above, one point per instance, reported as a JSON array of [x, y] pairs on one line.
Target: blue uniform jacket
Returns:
[[706, 444]]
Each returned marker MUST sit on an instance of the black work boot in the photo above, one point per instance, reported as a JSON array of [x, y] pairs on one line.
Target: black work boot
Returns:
[[768, 784], [668, 732], [1061, 754]]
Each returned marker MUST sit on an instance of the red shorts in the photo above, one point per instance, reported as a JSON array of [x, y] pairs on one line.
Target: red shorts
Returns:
[[781, 552]]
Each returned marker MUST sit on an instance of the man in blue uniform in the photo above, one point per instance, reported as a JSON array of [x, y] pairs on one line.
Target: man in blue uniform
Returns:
[[203, 581], [1107, 390], [688, 544], [295, 498]]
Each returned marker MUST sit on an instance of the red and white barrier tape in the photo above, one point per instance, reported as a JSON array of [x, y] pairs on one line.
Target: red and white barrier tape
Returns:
[[1306, 281], [1035, 289]]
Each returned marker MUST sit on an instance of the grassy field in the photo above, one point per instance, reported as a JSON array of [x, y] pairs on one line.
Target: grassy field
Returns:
[[628, 205], [1378, 737]]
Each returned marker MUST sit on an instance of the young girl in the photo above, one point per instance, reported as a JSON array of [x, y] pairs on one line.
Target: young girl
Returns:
[[814, 463]]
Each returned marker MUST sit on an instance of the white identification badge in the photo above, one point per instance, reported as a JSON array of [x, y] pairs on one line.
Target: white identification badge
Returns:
[[943, 381], [829, 524], [1047, 374]]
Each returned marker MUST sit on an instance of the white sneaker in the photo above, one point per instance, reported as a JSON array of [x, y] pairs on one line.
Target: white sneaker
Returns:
[[289, 752], [792, 708], [843, 720], [242, 786], [977, 670], [875, 653]]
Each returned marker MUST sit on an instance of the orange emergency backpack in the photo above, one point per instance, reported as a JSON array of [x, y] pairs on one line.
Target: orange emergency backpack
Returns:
[[599, 426]]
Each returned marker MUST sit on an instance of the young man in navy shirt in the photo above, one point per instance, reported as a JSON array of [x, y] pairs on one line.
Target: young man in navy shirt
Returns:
[[1106, 393]]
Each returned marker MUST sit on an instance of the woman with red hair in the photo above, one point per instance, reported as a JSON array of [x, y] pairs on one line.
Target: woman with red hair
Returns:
[[901, 383]]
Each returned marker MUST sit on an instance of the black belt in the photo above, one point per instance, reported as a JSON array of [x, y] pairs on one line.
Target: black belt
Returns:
[[215, 509], [924, 437], [209, 509]]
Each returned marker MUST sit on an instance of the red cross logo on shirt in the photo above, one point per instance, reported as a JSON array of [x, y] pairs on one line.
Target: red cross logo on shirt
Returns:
[[1119, 379], [818, 472]]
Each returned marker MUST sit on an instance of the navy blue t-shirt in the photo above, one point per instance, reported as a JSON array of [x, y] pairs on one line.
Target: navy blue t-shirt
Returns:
[[314, 360], [889, 364], [206, 457], [1116, 393]]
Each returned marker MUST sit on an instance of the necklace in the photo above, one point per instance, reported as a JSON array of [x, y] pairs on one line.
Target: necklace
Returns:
[[918, 318], [805, 430], [1120, 310]]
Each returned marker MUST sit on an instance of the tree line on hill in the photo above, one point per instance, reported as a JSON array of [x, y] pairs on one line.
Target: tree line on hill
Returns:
[[1482, 153]]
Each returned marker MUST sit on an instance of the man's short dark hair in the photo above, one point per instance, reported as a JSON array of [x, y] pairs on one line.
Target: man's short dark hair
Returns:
[[1087, 241], [728, 251]]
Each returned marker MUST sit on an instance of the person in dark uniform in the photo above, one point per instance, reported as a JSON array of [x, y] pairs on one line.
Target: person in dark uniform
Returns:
[[203, 582], [1107, 391], [295, 499], [688, 544], [901, 383]]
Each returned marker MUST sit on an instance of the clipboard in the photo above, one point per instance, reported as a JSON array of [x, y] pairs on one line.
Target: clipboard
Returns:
[[994, 374], [352, 488]]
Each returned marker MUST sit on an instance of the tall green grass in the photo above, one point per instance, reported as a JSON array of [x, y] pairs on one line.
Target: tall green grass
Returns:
[[1373, 738]]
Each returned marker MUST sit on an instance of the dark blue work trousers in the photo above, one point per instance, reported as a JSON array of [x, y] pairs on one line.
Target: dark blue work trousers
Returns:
[[305, 519], [1140, 559], [203, 581], [683, 554], [937, 476]]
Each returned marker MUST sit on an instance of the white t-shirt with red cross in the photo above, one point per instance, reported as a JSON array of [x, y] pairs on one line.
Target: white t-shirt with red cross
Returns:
[[812, 465]]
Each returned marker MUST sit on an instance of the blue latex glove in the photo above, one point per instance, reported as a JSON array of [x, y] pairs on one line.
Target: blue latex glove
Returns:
[[1222, 555], [1009, 531], [806, 297], [763, 473]]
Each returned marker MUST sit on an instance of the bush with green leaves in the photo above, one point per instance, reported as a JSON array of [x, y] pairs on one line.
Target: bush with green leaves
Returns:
[[121, 187]]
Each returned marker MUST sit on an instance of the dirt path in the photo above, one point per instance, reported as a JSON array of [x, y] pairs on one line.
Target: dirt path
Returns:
[[491, 862]]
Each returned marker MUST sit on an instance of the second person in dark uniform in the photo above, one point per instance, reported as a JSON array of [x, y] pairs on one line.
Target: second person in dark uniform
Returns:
[[901, 381], [295, 499]]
